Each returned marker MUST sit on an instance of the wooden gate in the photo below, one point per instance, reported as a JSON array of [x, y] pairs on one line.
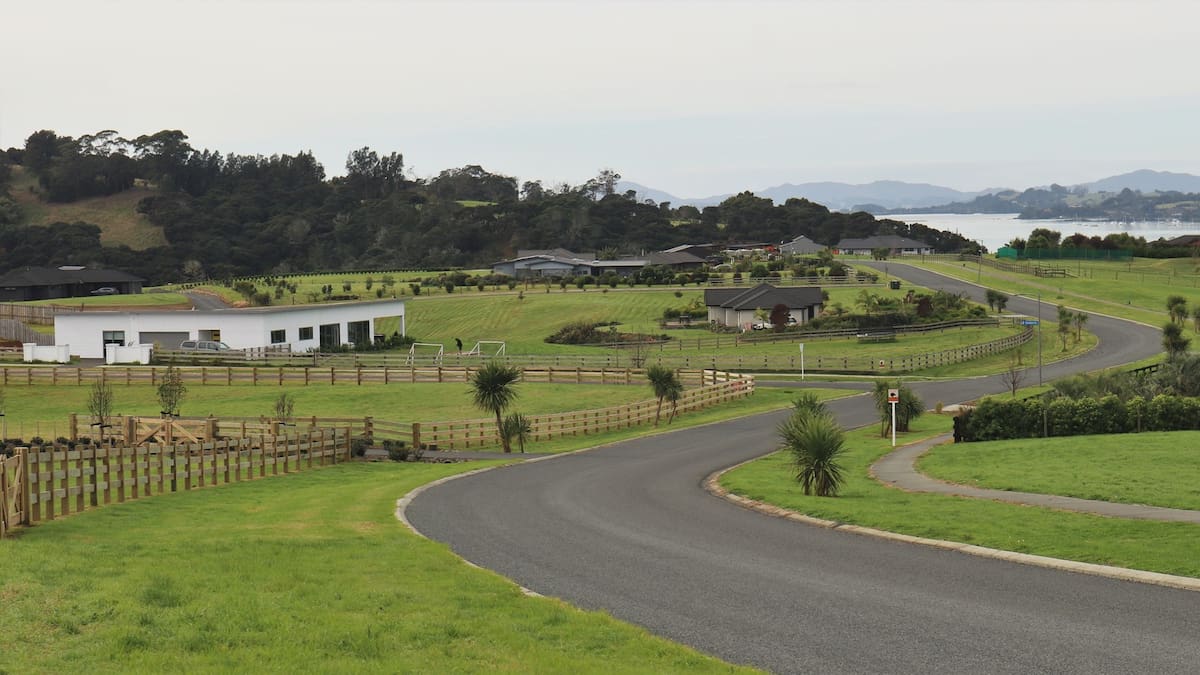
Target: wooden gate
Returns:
[[14, 492], [167, 431]]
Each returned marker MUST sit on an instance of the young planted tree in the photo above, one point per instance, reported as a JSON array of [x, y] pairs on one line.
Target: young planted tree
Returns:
[[100, 405], [1177, 308], [171, 392], [518, 427], [779, 317], [283, 406], [1174, 342], [1064, 325], [666, 385], [1078, 319], [1001, 302], [1014, 374], [816, 443], [492, 389]]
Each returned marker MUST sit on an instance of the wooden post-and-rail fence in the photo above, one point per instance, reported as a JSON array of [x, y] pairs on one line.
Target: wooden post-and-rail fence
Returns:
[[44, 483]]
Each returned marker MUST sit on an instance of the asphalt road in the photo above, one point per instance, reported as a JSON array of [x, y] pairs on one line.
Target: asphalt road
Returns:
[[628, 529]]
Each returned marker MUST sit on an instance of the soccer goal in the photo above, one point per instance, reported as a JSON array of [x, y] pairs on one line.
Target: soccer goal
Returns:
[[487, 348], [425, 351]]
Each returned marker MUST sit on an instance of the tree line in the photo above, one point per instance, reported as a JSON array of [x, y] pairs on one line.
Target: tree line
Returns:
[[231, 215]]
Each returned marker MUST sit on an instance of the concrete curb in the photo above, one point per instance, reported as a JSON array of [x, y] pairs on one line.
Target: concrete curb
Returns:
[[713, 486]]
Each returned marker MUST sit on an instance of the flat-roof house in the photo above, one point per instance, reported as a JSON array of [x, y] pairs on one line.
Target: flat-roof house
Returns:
[[541, 265], [801, 245], [895, 244], [299, 327], [68, 281], [736, 306]]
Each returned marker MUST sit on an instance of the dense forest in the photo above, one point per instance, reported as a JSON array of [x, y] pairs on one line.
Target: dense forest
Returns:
[[229, 215]]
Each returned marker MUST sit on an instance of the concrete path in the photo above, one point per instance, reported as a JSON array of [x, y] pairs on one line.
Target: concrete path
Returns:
[[898, 469]]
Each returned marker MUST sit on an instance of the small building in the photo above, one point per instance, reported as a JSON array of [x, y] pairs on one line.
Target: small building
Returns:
[[68, 281], [677, 260], [541, 265], [735, 307], [801, 245], [298, 327], [896, 245]]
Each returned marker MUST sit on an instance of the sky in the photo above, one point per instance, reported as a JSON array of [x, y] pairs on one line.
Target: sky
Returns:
[[693, 98]]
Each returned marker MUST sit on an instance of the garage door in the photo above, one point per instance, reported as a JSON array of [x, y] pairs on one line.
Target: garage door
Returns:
[[162, 340]]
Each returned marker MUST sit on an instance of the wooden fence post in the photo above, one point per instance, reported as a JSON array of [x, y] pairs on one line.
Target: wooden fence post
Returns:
[[416, 435], [74, 424], [23, 480]]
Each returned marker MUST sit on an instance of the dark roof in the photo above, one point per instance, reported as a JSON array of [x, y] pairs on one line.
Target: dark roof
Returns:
[[553, 252], [675, 258], [882, 241], [763, 295], [51, 276], [802, 244], [1185, 240]]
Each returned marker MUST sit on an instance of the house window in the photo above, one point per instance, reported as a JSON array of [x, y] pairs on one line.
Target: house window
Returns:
[[278, 336], [306, 333]]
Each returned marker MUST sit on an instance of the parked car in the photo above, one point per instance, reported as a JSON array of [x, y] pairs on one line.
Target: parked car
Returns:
[[203, 346], [106, 290]]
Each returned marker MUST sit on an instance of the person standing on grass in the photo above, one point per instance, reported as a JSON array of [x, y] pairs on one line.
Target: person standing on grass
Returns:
[[459, 343]]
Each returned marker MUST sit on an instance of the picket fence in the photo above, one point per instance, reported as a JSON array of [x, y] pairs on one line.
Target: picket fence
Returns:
[[49, 482]]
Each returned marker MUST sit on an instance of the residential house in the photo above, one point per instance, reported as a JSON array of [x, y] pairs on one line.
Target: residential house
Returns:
[[801, 245], [68, 281], [736, 306], [896, 245]]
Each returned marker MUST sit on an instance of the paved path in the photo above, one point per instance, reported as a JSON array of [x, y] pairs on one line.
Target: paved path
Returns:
[[898, 470], [206, 300], [628, 529]]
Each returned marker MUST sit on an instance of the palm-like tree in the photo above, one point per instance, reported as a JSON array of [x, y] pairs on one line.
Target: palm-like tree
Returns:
[[492, 390], [816, 442], [666, 385], [519, 427], [1174, 342], [1177, 308], [1079, 318]]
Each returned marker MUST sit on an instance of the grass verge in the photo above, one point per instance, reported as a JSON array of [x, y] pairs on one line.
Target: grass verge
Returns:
[[1153, 546], [1159, 469], [309, 572]]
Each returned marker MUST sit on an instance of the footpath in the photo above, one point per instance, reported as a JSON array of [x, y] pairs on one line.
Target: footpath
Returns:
[[898, 469]]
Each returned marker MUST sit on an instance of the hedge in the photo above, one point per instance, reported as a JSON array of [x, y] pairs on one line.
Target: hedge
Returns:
[[998, 419]]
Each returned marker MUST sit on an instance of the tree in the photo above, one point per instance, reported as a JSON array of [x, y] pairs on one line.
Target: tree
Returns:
[[1014, 374], [1001, 302], [908, 408], [517, 426], [172, 391], [1174, 342], [1196, 315], [881, 253], [666, 384], [492, 389], [816, 443], [779, 317], [1064, 325], [1177, 308], [283, 406], [100, 405], [1078, 320]]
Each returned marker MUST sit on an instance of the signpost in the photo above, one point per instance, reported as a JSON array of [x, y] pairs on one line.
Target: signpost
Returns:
[[893, 398], [802, 361], [1029, 322]]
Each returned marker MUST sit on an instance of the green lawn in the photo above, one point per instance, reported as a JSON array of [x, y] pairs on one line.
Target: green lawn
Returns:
[[1161, 469], [303, 573], [1159, 547], [42, 411]]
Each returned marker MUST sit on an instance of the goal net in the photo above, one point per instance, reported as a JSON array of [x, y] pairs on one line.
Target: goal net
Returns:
[[487, 348], [425, 352]]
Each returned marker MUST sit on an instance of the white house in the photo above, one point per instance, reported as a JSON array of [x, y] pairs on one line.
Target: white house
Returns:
[[300, 327], [896, 245]]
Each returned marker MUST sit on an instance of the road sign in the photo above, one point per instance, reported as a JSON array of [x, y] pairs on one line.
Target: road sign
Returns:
[[893, 395], [1029, 322]]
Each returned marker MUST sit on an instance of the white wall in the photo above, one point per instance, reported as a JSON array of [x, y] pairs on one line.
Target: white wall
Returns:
[[240, 328], [52, 354]]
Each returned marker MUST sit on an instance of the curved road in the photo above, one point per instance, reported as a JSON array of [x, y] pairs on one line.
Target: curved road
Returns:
[[627, 529]]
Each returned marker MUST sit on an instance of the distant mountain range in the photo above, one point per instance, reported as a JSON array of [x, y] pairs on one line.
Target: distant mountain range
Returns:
[[895, 196]]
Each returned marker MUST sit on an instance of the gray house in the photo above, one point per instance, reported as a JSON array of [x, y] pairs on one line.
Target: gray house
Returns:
[[68, 281], [896, 245], [801, 245], [736, 306]]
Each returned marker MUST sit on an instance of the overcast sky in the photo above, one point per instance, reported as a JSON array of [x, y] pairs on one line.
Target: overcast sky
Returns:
[[689, 97]]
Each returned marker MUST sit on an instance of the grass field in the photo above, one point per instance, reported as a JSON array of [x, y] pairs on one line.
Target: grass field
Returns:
[[1161, 469], [304, 573], [1138, 292], [116, 215], [1160, 547], [42, 411]]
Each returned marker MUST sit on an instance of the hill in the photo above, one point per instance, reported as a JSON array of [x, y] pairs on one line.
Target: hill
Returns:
[[1147, 180], [116, 215]]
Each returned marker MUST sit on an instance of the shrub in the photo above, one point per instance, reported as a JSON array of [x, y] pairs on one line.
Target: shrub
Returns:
[[816, 442]]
